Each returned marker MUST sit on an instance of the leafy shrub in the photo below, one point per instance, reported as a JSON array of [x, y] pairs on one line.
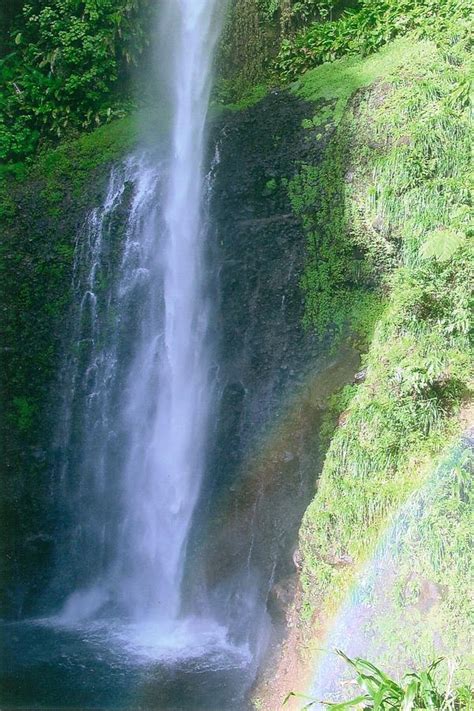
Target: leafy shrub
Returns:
[[69, 61], [364, 30], [381, 693], [298, 13]]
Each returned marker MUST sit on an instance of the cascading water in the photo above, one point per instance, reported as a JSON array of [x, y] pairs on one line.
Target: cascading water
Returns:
[[170, 374], [149, 385], [167, 452]]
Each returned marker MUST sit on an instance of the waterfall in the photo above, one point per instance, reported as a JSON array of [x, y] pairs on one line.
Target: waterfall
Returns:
[[170, 373], [138, 392]]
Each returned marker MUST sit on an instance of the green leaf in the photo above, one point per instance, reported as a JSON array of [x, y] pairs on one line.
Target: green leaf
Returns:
[[363, 664], [411, 691], [296, 695], [441, 245], [435, 664]]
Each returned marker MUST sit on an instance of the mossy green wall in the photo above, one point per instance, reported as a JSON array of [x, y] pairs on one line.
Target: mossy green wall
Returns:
[[253, 33], [390, 254], [43, 206]]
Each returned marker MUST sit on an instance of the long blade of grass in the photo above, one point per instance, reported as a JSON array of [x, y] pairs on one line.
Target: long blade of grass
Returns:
[[363, 664], [296, 695], [410, 695], [369, 683], [341, 706]]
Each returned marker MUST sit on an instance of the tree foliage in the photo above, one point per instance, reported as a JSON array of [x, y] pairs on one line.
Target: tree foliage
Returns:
[[67, 69]]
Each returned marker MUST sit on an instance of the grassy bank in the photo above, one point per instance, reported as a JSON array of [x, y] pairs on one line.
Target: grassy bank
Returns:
[[390, 254]]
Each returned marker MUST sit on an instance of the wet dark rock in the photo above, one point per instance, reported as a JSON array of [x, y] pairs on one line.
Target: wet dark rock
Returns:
[[281, 597], [37, 248], [297, 559], [340, 560], [360, 377], [263, 460]]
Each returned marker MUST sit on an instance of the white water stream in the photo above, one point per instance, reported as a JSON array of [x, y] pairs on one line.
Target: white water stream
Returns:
[[143, 406], [168, 405]]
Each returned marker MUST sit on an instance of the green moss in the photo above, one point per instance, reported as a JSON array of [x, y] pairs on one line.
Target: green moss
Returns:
[[24, 413], [224, 101], [249, 98], [7, 205], [69, 167], [337, 81], [249, 43]]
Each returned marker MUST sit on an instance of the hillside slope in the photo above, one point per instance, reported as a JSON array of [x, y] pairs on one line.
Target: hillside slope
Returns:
[[387, 217]]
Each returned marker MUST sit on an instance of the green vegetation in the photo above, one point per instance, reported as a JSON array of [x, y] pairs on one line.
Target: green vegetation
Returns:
[[253, 35], [276, 41], [66, 70], [67, 64], [246, 50], [387, 217], [425, 608], [24, 415], [335, 82], [365, 29], [298, 12], [246, 99], [341, 271], [67, 169], [381, 693], [70, 166]]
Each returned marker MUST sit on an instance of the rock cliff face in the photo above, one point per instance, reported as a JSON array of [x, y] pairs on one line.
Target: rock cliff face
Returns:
[[260, 477], [273, 378], [40, 223], [260, 250]]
